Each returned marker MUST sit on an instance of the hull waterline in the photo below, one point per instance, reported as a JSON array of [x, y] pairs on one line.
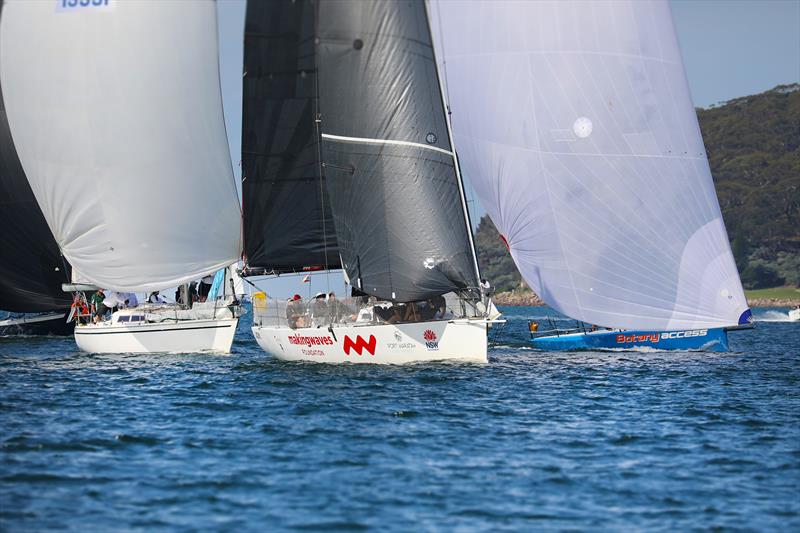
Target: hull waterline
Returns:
[[191, 336], [457, 340], [712, 340]]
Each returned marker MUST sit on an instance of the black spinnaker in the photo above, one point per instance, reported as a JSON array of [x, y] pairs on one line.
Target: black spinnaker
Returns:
[[350, 89], [288, 224]]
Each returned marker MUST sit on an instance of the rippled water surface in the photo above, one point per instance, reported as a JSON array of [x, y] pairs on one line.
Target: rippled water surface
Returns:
[[534, 440]]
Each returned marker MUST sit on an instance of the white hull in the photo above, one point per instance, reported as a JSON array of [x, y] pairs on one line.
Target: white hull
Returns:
[[212, 335], [794, 315], [461, 340], [31, 319]]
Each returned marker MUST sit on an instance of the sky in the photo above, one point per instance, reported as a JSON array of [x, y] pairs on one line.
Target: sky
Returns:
[[730, 48]]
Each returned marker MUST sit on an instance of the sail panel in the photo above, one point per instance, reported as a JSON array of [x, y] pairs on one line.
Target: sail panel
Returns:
[[288, 223], [387, 158], [31, 269], [575, 125], [116, 113]]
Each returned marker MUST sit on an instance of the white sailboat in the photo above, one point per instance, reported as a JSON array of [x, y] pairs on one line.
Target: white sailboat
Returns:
[[574, 123], [348, 163], [116, 112]]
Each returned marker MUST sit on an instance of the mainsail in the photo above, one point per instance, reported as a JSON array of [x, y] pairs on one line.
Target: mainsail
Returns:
[[387, 158], [575, 125], [288, 223], [116, 113], [31, 269]]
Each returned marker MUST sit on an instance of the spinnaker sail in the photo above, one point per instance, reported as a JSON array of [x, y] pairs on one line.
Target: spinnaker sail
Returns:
[[575, 125], [116, 113], [31, 269]]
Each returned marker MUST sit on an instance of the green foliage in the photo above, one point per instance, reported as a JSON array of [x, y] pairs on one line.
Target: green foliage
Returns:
[[760, 274], [753, 147], [788, 266], [780, 293]]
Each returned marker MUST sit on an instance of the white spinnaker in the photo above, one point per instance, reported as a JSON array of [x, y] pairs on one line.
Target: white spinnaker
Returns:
[[574, 123], [116, 114]]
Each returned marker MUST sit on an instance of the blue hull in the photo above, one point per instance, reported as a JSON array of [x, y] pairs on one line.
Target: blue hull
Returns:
[[713, 340]]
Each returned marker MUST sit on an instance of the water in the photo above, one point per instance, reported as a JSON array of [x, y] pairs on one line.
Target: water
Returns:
[[611, 441]]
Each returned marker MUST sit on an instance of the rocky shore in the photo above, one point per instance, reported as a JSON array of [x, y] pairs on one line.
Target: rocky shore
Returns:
[[530, 299], [773, 302]]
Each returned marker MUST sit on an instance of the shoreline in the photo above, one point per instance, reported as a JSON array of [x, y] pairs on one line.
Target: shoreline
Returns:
[[530, 299]]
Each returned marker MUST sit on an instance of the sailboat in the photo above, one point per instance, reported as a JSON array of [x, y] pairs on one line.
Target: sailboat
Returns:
[[575, 125], [116, 113], [348, 163], [31, 268]]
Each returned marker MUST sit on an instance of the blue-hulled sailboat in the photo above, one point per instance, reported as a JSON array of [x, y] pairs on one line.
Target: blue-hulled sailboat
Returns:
[[574, 123]]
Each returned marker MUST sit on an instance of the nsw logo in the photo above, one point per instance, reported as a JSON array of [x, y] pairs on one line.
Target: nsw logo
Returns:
[[431, 341], [360, 344]]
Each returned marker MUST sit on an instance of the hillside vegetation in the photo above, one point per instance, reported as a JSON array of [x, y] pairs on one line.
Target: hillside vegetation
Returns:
[[753, 146]]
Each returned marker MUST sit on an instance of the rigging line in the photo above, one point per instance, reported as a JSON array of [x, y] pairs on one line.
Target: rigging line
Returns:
[[444, 58], [364, 140], [459, 180], [318, 142]]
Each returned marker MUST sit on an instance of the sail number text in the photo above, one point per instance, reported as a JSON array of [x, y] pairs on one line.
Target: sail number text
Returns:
[[77, 4]]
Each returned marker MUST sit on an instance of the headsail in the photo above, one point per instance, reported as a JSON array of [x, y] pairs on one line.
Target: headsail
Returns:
[[31, 269], [288, 223], [116, 112], [575, 125], [388, 163]]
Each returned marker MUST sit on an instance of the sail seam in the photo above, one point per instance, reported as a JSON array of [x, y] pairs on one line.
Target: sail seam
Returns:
[[364, 140]]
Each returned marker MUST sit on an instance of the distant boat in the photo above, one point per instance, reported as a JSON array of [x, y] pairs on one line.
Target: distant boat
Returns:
[[31, 267], [116, 113], [574, 123], [794, 314], [347, 162]]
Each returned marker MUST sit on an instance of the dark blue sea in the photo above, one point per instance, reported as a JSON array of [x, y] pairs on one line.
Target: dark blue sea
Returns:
[[532, 441]]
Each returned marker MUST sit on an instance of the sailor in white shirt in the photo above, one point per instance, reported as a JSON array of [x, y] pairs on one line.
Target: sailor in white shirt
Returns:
[[156, 298]]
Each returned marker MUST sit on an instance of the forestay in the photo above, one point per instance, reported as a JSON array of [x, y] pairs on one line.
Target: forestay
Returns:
[[386, 153], [574, 123], [116, 112]]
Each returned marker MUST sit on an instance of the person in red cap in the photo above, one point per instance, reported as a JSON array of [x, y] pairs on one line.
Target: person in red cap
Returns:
[[295, 312]]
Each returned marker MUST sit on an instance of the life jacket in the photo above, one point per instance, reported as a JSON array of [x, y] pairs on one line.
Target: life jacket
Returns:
[[81, 309]]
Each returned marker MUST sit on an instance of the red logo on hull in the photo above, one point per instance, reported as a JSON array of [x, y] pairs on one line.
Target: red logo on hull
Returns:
[[360, 344]]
